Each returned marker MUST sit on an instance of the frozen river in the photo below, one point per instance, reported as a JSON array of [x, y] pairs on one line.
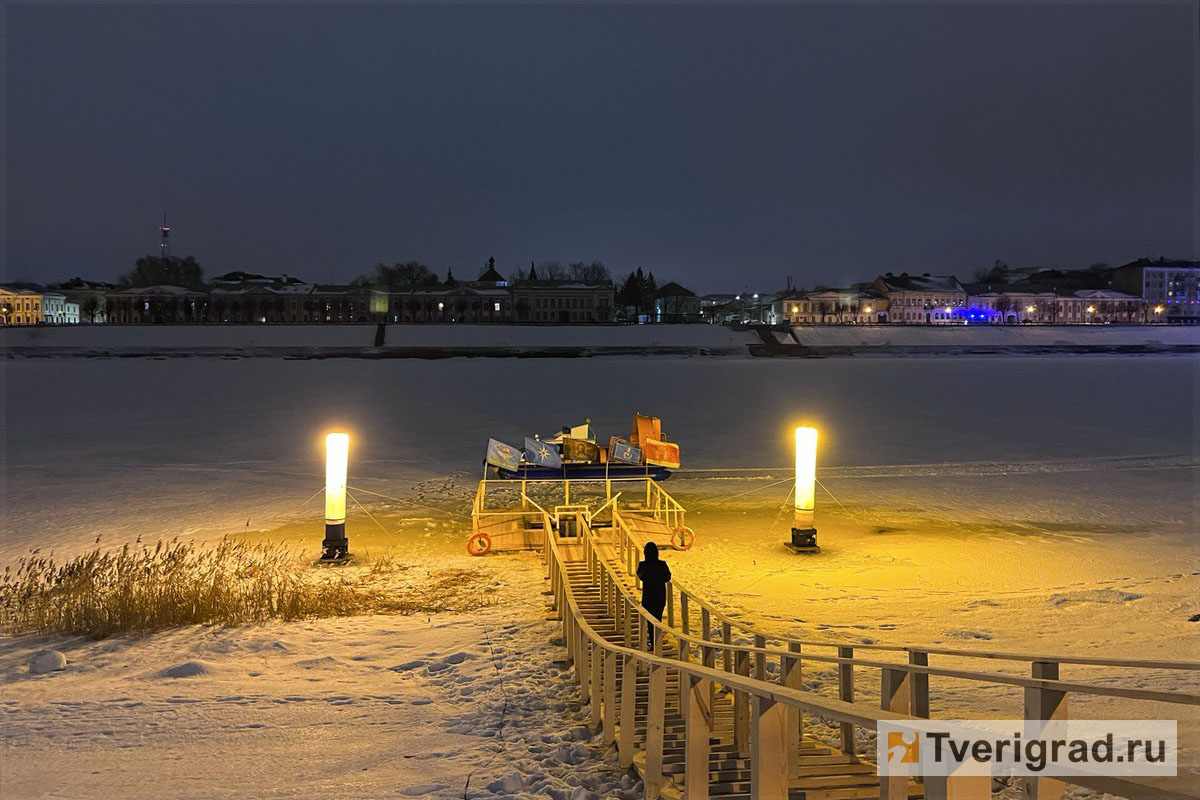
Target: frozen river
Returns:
[[204, 446]]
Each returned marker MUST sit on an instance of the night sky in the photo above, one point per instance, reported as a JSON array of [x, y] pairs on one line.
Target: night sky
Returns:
[[724, 147]]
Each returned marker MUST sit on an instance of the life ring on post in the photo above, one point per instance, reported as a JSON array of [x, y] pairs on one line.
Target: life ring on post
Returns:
[[683, 537], [479, 544]]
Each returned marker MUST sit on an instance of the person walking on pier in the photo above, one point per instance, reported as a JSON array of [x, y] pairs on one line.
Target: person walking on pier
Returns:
[[654, 575]]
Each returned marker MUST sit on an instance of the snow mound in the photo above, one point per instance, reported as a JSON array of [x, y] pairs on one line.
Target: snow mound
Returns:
[[188, 669], [44, 661], [1093, 596]]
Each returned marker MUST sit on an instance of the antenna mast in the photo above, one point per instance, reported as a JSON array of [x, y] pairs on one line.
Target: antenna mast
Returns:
[[165, 247]]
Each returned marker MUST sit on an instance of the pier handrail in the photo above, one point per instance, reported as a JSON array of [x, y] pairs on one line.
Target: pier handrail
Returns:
[[742, 672], [630, 545], [595, 662], [609, 502], [1164, 696]]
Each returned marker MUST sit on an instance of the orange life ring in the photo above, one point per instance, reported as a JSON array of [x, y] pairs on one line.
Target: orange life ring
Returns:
[[479, 544], [683, 537]]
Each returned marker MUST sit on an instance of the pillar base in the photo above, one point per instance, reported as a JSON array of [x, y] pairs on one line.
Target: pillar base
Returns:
[[335, 546], [804, 540]]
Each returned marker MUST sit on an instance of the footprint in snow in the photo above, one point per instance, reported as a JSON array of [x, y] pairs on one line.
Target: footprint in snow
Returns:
[[1093, 596], [967, 634], [420, 790], [321, 662]]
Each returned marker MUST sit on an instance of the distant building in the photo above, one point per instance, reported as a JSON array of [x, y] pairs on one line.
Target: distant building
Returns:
[[833, 307], [714, 307], [923, 299], [58, 310], [674, 303], [475, 303], [1010, 304], [160, 305], [240, 297], [1098, 306], [485, 300], [752, 308], [1170, 288], [90, 296], [20, 306], [339, 303], [490, 278], [562, 301]]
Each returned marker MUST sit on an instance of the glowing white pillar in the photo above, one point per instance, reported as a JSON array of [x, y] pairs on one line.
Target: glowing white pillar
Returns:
[[806, 476], [803, 532], [337, 457]]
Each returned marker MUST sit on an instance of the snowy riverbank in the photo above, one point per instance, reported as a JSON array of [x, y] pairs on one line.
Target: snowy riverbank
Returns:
[[447, 706], [996, 503]]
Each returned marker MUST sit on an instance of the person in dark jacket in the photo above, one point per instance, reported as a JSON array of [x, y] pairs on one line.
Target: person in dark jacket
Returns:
[[654, 575]]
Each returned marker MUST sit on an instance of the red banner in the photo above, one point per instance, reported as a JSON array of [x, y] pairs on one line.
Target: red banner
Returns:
[[661, 454]]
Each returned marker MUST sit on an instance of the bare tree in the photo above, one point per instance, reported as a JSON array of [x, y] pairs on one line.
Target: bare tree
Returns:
[[592, 272], [551, 270]]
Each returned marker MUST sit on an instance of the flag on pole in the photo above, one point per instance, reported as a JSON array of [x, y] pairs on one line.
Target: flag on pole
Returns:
[[622, 452], [542, 453], [580, 450], [503, 456], [663, 454]]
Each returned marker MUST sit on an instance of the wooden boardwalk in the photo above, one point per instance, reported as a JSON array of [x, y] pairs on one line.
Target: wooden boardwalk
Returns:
[[819, 772], [717, 707]]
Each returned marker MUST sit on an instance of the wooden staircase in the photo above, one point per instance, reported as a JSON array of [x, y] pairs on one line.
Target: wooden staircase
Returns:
[[818, 771]]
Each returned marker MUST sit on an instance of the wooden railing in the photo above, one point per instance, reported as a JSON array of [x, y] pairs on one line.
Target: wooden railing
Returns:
[[904, 687], [663, 506], [607, 675], [657, 500]]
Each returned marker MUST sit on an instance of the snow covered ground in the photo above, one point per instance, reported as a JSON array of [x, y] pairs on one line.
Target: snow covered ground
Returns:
[[1002, 503], [449, 706]]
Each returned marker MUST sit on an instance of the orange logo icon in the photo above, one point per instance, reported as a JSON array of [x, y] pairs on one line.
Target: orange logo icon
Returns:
[[904, 747]]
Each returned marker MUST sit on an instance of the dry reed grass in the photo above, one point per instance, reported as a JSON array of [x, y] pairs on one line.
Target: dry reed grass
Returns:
[[174, 583]]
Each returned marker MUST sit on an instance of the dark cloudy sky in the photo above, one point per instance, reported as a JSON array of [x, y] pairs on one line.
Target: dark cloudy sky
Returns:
[[725, 147]]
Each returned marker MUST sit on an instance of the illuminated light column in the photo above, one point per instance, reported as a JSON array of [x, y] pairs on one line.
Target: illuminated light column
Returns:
[[337, 453], [804, 535]]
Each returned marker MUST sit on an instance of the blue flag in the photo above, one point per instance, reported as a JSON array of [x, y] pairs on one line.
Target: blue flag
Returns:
[[503, 455], [622, 452], [543, 454]]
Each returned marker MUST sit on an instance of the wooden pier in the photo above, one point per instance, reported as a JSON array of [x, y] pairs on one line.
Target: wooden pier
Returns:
[[717, 709]]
